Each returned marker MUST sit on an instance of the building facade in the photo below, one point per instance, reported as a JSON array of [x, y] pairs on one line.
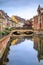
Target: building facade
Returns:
[[19, 22], [38, 21], [5, 20]]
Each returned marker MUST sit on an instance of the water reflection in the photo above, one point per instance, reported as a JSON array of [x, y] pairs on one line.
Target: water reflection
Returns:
[[38, 45], [20, 39], [4, 58], [24, 51]]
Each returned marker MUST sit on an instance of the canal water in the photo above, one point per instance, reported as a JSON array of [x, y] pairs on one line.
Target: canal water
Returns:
[[26, 51]]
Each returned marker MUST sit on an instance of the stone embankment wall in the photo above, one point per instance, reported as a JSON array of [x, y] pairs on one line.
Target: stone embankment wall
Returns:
[[3, 44]]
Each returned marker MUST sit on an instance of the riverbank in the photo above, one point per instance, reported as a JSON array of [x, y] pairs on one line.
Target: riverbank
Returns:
[[4, 41], [4, 44]]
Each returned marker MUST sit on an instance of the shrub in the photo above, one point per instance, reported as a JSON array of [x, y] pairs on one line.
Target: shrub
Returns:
[[3, 33]]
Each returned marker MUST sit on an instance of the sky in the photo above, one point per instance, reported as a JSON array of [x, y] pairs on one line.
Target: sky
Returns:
[[23, 8]]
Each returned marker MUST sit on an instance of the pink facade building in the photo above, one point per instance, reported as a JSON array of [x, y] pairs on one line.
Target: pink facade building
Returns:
[[38, 20]]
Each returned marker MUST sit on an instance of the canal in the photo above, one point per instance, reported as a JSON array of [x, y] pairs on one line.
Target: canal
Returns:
[[25, 51]]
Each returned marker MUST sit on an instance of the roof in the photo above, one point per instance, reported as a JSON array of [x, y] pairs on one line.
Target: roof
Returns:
[[1, 17], [4, 14], [19, 18], [40, 8]]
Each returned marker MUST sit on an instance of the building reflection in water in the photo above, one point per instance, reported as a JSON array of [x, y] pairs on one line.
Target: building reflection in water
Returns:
[[38, 45], [4, 59], [19, 40], [15, 40]]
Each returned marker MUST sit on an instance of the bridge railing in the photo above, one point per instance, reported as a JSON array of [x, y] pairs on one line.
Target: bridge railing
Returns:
[[22, 28]]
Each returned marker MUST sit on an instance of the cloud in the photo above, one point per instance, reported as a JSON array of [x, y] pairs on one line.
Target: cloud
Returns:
[[22, 8]]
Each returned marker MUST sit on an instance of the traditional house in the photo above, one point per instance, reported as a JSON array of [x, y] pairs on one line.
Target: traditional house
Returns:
[[38, 21], [40, 17], [28, 24], [32, 22], [1, 22], [36, 26], [5, 20], [19, 22]]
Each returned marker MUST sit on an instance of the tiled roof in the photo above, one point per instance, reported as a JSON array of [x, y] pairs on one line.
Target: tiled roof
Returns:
[[19, 18], [4, 15]]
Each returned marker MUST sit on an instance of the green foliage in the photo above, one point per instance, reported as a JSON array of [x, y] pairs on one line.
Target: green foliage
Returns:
[[3, 33]]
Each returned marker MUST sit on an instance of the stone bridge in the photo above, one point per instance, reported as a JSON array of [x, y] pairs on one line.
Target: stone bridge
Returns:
[[21, 30]]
